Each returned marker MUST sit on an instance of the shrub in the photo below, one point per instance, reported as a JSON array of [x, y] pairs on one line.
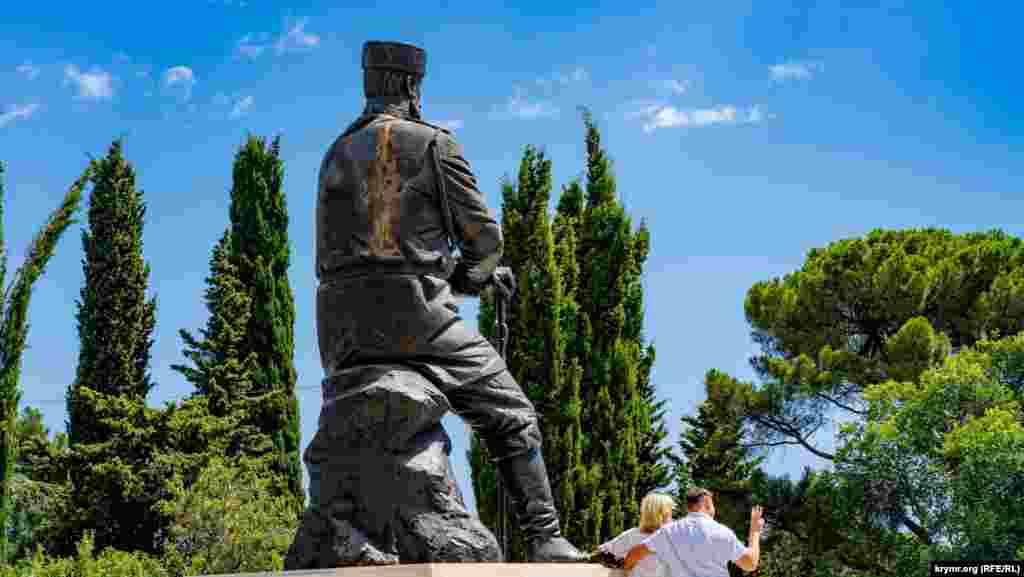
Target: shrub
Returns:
[[230, 521]]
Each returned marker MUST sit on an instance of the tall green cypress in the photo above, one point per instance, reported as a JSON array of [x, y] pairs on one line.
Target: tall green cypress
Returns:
[[535, 350], [258, 242], [611, 258], [115, 320], [222, 371], [579, 480], [576, 347], [14, 301]]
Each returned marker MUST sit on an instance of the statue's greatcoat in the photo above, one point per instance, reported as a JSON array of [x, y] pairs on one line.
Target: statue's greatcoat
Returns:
[[383, 259]]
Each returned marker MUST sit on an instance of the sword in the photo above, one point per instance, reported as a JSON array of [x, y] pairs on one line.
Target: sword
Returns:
[[500, 310], [501, 313]]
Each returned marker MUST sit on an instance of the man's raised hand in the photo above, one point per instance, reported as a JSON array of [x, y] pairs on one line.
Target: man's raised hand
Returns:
[[756, 521]]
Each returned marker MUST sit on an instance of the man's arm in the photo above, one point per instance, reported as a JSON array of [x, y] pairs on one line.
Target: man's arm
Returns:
[[635, 555], [476, 230], [751, 556]]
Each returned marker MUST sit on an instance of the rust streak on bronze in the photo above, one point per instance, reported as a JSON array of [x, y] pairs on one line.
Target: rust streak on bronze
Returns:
[[383, 188]]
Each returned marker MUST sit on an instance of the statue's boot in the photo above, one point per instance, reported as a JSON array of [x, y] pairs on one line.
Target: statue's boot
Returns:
[[526, 478]]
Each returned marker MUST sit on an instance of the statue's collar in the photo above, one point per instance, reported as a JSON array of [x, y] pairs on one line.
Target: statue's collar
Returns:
[[390, 105]]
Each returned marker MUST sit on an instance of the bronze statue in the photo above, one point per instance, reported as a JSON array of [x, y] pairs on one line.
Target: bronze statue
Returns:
[[396, 199]]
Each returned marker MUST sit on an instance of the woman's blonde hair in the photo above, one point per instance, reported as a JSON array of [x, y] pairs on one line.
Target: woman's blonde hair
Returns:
[[655, 509]]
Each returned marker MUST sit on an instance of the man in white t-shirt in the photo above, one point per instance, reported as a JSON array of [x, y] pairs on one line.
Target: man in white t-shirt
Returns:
[[699, 546]]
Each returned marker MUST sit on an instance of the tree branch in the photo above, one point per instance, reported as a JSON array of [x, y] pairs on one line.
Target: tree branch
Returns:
[[790, 431], [836, 402]]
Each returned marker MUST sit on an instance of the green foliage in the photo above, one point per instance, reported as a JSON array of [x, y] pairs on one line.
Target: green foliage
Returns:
[[867, 327], [115, 320], [224, 370], [615, 387], [947, 452], [109, 563], [229, 521], [716, 457], [249, 272], [576, 347], [14, 302], [127, 478], [862, 311]]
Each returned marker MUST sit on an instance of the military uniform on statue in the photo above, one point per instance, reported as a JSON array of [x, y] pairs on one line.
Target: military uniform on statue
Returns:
[[396, 199]]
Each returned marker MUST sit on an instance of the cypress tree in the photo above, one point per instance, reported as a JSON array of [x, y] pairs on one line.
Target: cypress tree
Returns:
[[222, 371], [535, 351], [14, 302], [576, 347], [115, 320], [578, 481], [611, 257], [107, 413], [258, 244]]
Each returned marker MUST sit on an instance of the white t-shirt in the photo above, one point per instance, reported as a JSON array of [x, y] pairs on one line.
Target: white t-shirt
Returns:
[[649, 566], [696, 546]]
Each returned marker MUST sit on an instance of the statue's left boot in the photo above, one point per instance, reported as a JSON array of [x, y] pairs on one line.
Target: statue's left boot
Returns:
[[526, 478]]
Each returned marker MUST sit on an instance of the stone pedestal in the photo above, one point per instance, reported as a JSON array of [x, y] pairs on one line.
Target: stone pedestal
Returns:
[[456, 570], [387, 492]]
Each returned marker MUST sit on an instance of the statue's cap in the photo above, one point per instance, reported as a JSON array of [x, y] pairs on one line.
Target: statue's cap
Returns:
[[395, 56]]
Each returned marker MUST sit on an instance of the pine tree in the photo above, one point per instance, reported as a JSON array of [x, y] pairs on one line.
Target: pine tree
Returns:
[[14, 302], [115, 321], [257, 248]]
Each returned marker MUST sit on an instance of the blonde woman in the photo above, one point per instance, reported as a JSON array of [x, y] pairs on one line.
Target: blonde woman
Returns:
[[655, 512]]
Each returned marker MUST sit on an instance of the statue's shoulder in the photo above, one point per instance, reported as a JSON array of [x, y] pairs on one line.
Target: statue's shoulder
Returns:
[[431, 126]]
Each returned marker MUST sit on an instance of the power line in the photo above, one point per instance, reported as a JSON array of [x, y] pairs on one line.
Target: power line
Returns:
[[63, 400]]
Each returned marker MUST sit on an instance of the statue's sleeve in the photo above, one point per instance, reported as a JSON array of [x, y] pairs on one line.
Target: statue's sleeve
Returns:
[[476, 231]]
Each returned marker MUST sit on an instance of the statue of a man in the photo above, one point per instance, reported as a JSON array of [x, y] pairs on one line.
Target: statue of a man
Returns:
[[396, 197]]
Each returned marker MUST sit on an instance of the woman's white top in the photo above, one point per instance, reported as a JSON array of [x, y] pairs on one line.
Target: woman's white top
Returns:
[[649, 566]]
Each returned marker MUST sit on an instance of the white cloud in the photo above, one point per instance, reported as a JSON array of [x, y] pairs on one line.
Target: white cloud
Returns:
[[579, 74], [15, 112], [95, 85], [451, 124], [180, 75], [672, 117], [296, 38], [520, 107], [677, 86], [242, 106], [248, 47], [28, 70], [794, 71]]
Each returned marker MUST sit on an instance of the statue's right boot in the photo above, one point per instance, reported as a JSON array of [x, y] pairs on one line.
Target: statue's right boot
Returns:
[[526, 479]]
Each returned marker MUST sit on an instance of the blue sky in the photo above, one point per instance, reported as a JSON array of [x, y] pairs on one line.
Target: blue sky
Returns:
[[745, 134]]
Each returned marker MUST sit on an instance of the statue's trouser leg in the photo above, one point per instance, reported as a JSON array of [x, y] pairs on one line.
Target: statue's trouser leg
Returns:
[[496, 407], [314, 485]]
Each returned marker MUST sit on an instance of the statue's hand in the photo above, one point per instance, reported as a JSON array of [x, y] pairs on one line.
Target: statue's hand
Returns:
[[460, 282], [504, 281]]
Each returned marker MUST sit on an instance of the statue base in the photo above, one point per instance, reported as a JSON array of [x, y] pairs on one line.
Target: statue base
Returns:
[[456, 570], [387, 493]]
